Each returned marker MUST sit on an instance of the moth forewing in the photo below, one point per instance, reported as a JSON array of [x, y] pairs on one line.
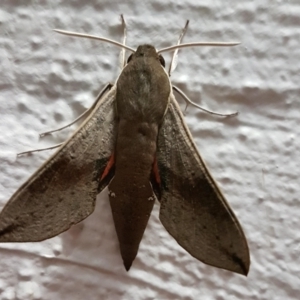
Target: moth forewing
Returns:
[[62, 192], [193, 209]]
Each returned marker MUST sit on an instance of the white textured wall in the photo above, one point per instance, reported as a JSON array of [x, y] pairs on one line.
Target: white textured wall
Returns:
[[47, 80]]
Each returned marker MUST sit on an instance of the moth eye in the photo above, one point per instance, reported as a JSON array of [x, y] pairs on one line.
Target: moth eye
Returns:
[[162, 60], [129, 58]]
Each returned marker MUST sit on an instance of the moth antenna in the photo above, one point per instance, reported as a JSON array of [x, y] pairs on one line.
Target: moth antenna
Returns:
[[174, 59], [85, 113], [68, 125], [188, 100], [93, 37], [196, 44], [38, 150]]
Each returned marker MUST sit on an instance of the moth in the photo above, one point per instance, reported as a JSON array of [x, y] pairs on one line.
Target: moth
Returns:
[[136, 143]]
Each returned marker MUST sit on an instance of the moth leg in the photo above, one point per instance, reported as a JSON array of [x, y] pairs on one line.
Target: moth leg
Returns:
[[174, 59], [173, 66], [189, 101], [40, 149], [122, 60], [84, 114]]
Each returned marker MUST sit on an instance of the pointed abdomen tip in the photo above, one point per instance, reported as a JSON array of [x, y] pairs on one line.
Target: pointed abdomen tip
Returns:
[[127, 265]]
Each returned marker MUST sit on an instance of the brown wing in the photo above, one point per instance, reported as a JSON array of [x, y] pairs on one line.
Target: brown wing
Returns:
[[193, 209], [63, 191]]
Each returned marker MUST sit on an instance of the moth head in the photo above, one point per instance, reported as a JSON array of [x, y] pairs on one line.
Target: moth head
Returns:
[[146, 51]]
